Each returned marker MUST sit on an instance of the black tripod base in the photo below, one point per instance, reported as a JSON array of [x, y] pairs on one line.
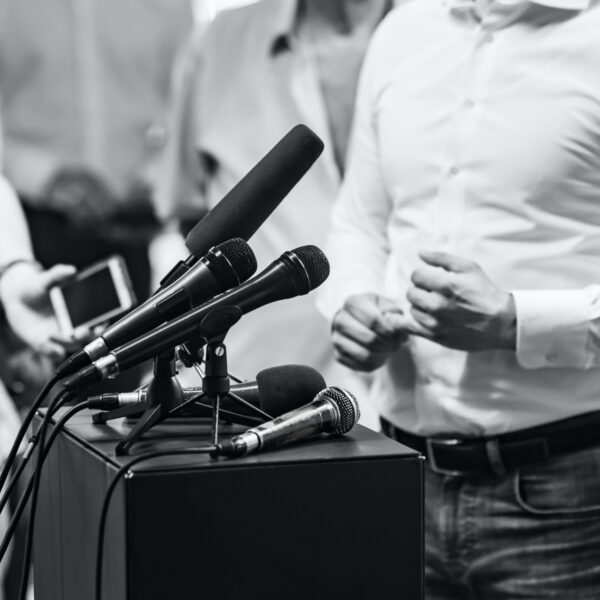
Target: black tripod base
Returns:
[[150, 418], [132, 410]]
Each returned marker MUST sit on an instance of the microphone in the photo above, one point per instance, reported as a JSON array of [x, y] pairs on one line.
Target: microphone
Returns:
[[223, 267], [276, 390], [294, 273], [248, 204], [333, 411]]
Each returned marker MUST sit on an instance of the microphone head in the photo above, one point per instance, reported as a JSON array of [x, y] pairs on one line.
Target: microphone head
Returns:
[[248, 204], [240, 262], [308, 267], [287, 387], [347, 406]]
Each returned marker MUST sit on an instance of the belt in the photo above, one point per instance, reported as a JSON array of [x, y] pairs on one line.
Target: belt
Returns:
[[498, 455]]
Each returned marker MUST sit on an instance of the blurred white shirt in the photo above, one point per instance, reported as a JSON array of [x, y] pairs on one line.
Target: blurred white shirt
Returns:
[[242, 83], [478, 133], [85, 83]]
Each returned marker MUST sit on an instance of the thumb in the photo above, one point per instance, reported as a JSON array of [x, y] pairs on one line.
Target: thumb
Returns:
[[445, 260], [56, 275], [405, 324]]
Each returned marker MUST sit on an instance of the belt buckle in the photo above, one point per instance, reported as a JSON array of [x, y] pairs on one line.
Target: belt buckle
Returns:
[[431, 444]]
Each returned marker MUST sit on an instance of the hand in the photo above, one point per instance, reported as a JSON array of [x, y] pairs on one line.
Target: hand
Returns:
[[365, 331], [24, 292], [81, 196], [455, 304]]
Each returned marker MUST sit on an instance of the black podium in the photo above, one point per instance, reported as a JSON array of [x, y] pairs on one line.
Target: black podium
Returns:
[[327, 519]]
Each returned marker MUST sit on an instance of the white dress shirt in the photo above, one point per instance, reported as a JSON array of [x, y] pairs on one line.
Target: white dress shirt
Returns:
[[478, 133]]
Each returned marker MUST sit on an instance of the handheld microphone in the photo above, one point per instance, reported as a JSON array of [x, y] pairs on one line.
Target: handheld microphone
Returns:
[[276, 390], [333, 411], [223, 267], [248, 204], [294, 273]]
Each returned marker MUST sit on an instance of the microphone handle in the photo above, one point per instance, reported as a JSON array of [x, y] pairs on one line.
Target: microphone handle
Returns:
[[320, 415], [285, 277], [276, 282]]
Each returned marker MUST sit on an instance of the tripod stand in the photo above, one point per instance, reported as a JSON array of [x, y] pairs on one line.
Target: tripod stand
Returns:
[[165, 397]]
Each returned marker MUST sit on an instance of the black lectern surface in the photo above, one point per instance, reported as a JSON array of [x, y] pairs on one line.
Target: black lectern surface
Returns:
[[327, 519]]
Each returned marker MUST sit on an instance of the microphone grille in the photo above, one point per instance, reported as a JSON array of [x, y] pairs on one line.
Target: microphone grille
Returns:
[[347, 405], [316, 264], [240, 256]]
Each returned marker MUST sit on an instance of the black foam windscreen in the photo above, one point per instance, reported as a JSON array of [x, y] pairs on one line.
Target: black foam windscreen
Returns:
[[247, 205], [285, 388]]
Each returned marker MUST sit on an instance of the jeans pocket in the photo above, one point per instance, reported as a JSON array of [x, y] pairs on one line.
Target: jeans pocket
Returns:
[[567, 486]]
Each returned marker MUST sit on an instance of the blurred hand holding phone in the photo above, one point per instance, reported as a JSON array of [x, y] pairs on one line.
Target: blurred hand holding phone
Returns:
[[87, 302]]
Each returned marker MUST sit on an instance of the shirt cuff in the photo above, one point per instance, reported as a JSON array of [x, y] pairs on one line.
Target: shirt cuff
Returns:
[[552, 328]]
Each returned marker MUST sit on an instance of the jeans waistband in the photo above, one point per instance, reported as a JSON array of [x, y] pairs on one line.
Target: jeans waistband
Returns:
[[500, 454]]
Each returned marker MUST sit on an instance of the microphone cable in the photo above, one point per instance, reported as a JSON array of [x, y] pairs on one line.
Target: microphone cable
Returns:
[[21, 434], [111, 488], [60, 398], [43, 450]]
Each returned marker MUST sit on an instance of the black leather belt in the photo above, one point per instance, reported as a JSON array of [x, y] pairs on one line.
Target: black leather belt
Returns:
[[498, 455]]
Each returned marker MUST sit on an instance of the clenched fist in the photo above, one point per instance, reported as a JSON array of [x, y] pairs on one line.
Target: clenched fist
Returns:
[[366, 331], [454, 303]]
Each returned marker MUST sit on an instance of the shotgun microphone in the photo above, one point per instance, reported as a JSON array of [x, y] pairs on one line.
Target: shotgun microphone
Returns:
[[248, 204], [276, 390]]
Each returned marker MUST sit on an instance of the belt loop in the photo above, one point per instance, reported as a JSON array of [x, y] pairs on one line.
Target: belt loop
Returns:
[[492, 450]]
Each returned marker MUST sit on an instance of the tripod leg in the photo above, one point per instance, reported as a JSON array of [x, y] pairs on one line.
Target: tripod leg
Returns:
[[131, 410], [146, 421]]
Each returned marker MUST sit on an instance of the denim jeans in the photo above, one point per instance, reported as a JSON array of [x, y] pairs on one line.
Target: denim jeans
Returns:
[[530, 534]]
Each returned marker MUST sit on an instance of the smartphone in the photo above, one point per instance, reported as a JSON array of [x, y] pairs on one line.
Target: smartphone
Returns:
[[94, 296]]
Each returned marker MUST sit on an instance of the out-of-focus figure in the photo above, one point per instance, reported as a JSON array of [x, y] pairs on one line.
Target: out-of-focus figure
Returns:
[[84, 86], [243, 81], [27, 314]]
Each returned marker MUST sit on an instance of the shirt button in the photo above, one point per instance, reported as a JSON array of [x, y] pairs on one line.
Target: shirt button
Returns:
[[468, 103], [454, 170], [488, 38]]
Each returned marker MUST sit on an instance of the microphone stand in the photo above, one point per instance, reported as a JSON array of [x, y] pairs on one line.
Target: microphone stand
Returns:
[[165, 397]]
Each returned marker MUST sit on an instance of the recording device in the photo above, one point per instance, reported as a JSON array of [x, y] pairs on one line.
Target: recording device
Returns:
[[248, 204], [294, 273], [334, 411], [223, 267], [276, 390], [95, 295]]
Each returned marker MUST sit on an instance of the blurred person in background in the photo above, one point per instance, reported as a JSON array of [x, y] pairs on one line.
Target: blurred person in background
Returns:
[[242, 82], [84, 87], [28, 315]]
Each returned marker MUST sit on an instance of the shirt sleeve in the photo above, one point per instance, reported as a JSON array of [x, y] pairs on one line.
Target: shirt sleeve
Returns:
[[357, 243], [15, 243], [558, 328]]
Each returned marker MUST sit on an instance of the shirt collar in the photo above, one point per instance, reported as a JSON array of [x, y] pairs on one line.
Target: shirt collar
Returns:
[[284, 15], [284, 21], [560, 4]]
